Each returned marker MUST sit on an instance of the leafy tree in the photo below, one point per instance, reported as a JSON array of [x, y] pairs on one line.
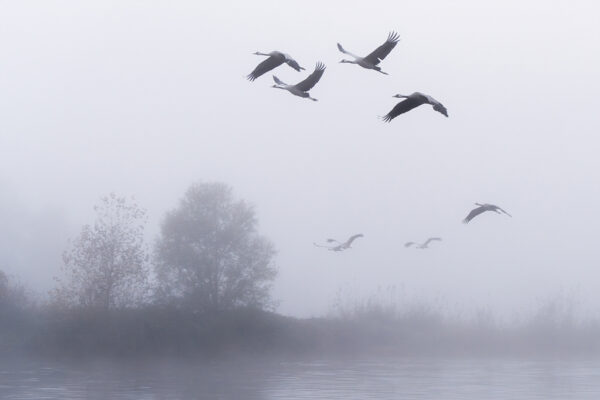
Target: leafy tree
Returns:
[[209, 255], [106, 267]]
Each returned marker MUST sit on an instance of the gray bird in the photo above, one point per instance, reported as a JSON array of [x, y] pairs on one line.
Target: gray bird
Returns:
[[340, 246], [412, 101], [371, 61], [424, 245], [481, 208], [276, 58], [301, 89]]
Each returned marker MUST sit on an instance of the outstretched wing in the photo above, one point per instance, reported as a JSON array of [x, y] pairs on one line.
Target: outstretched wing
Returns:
[[340, 48], [503, 211], [475, 212], [312, 79], [265, 66], [293, 63], [402, 107], [437, 106], [431, 240], [278, 81], [352, 239], [382, 51]]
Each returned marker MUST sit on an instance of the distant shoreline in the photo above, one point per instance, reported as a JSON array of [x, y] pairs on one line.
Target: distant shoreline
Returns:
[[164, 332]]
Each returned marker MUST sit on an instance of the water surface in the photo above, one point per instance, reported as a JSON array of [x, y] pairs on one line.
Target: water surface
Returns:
[[465, 379]]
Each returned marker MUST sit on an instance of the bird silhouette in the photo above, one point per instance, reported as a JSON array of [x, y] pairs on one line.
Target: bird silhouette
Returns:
[[481, 208], [412, 101], [276, 58], [301, 89], [424, 245], [372, 60], [340, 246]]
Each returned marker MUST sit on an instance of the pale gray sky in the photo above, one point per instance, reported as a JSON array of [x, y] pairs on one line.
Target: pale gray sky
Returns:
[[144, 98]]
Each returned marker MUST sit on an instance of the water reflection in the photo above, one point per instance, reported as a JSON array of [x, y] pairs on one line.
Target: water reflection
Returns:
[[348, 379]]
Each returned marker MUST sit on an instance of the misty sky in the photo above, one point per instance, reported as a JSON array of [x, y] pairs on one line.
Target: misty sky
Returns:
[[145, 98]]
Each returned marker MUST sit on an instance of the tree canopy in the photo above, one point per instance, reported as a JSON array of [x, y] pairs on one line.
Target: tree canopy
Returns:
[[209, 255]]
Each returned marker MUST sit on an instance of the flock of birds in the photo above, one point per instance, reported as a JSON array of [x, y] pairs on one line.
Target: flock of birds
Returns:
[[371, 61], [336, 245]]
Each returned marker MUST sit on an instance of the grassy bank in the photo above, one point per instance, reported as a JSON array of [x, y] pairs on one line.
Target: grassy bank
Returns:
[[154, 331]]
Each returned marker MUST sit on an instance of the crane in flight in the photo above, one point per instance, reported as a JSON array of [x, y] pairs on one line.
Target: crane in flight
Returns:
[[413, 101], [276, 58], [301, 89], [371, 61], [481, 208], [424, 245], [339, 246]]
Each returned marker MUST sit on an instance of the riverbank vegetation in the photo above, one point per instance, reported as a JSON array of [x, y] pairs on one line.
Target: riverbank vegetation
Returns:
[[203, 289]]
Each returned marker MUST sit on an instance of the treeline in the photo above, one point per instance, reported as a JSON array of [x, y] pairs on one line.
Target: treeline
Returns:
[[118, 293], [208, 257], [372, 329], [203, 289], [163, 331]]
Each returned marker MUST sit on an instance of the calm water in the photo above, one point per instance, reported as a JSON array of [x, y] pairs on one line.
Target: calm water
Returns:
[[351, 379]]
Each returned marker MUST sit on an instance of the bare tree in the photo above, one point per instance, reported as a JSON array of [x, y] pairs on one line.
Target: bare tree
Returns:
[[13, 295], [106, 267], [209, 255], [3, 287]]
